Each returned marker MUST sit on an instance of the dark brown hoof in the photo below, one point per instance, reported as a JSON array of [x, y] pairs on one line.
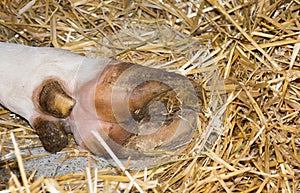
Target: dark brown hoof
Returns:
[[54, 101], [52, 134]]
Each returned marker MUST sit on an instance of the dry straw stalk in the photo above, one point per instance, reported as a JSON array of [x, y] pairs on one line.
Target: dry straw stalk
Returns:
[[254, 48]]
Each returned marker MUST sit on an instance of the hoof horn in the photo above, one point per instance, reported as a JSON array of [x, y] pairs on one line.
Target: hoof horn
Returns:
[[53, 100]]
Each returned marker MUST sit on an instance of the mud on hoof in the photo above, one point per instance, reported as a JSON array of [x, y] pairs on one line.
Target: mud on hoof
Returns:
[[52, 134]]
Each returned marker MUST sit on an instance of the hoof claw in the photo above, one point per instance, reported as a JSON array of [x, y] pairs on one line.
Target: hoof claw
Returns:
[[54, 101]]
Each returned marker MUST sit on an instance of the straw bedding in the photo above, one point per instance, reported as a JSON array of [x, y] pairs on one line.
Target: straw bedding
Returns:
[[250, 47]]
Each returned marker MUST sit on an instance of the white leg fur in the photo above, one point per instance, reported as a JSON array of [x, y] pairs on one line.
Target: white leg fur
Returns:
[[24, 68]]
